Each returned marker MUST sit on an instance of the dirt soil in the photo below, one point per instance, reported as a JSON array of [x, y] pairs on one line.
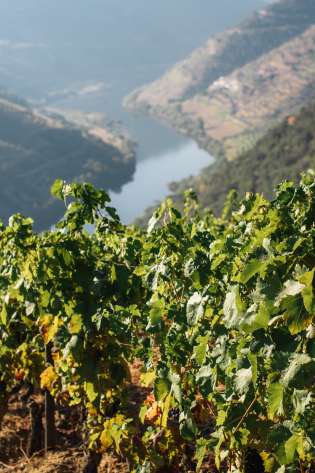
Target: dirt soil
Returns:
[[67, 457]]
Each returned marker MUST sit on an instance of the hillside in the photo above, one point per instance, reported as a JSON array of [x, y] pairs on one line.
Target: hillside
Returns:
[[283, 153], [36, 148], [230, 91]]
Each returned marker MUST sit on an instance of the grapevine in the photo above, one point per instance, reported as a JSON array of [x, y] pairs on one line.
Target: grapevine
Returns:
[[218, 313]]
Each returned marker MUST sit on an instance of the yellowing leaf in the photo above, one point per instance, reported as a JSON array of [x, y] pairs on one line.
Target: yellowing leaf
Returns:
[[165, 406], [147, 378], [49, 326], [115, 430], [92, 439], [106, 439], [153, 413], [75, 324], [48, 378], [3, 315], [90, 391], [143, 412], [220, 418]]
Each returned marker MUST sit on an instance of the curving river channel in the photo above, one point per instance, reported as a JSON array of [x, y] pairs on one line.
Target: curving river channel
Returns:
[[163, 156], [153, 174]]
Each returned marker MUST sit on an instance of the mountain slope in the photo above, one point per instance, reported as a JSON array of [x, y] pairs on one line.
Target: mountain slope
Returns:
[[35, 149], [226, 94], [283, 153]]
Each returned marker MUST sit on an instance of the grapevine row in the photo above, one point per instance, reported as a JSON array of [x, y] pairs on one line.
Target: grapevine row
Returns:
[[218, 312]]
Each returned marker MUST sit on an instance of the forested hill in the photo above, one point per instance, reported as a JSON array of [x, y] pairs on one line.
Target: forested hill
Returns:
[[242, 82], [35, 149], [283, 153]]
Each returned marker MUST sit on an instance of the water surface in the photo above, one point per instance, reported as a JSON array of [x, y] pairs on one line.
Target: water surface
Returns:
[[150, 183]]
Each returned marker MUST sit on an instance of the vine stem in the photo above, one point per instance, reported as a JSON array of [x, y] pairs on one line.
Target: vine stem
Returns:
[[246, 413], [50, 429]]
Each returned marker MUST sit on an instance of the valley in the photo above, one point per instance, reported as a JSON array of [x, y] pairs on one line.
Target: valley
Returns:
[[81, 73], [242, 82]]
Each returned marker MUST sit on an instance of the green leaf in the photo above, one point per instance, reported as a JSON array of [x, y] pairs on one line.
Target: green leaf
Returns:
[[257, 317], [142, 414], [293, 445], [253, 361], [201, 451], [275, 400], [195, 308], [154, 220], [294, 313], [157, 310], [251, 269], [200, 350], [221, 417], [291, 288], [57, 189], [301, 399], [112, 213], [176, 387], [243, 380], [29, 308], [45, 299], [307, 293], [233, 308], [204, 374], [162, 388], [72, 347], [297, 362], [187, 426], [281, 469]]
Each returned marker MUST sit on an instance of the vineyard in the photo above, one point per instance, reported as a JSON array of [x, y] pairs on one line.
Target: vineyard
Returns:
[[188, 346]]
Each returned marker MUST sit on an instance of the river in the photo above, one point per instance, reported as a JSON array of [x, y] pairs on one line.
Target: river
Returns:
[[152, 176], [163, 155]]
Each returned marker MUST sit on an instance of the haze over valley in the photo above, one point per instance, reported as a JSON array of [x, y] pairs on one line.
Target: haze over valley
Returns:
[[88, 57], [212, 72]]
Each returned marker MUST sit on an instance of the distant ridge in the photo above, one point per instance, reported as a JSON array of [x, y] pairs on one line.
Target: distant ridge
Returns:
[[226, 94], [35, 149]]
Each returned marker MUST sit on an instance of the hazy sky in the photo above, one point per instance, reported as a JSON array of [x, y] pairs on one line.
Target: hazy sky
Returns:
[[55, 41]]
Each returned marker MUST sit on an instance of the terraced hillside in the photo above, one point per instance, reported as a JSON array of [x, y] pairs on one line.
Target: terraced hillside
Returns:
[[283, 153], [229, 92], [35, 149]]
